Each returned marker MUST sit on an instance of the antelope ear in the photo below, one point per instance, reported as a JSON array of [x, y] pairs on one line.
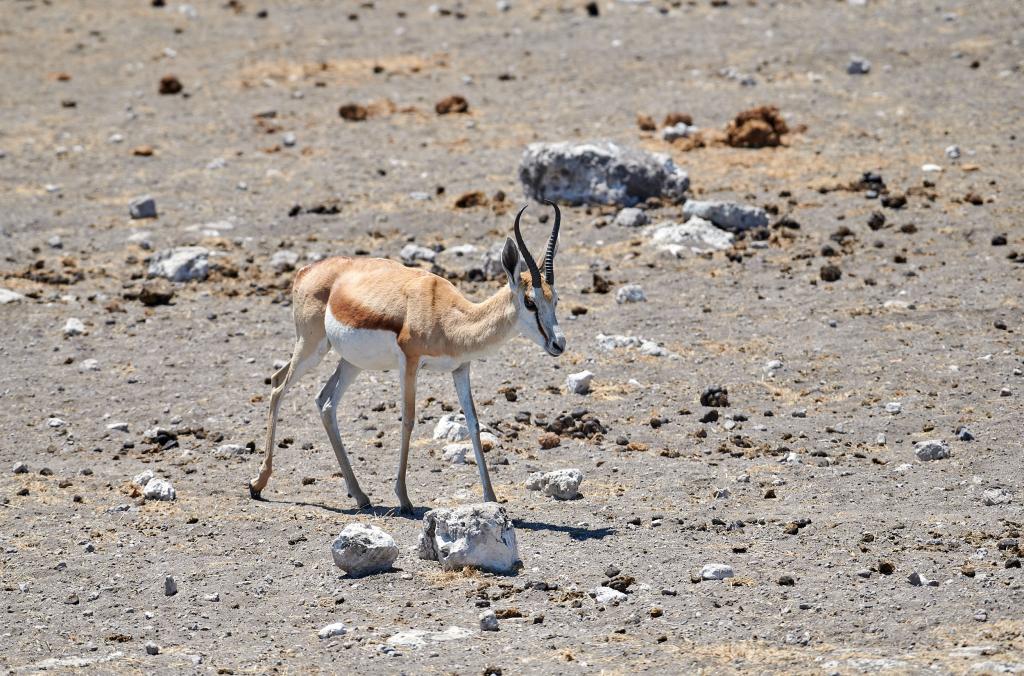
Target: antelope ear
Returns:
[[511, 263]]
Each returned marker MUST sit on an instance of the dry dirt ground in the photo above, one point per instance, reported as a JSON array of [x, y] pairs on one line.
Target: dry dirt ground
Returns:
[[927, 313]]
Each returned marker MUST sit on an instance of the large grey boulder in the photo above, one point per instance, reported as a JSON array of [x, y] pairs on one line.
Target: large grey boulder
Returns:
[[727, 215], [697, 235], [181, 264], [362, 549], [479, 536], [599, 173]]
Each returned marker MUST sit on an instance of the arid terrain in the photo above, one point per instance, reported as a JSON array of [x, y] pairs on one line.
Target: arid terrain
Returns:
[[806, 484]]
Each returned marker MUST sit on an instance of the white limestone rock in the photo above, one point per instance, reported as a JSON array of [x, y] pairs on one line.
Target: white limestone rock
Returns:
[[411, 253], [332, 630], [143, 478], [284, 261], [477, 535], [74, 327], [630, 293], [579, 383], [696, 235], [363, 549], [561, 484], [8, 296], [180, 264], [159, 489], [608, 596], [631, 217], [716, 571]]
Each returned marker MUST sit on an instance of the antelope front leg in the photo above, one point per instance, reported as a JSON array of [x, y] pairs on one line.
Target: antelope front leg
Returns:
[[408, 388], [462, 386]]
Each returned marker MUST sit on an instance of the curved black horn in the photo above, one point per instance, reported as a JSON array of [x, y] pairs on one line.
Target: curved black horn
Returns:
[[530, 263], [549, 256]]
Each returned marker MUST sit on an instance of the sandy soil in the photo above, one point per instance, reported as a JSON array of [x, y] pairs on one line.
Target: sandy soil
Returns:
[[927, 313]]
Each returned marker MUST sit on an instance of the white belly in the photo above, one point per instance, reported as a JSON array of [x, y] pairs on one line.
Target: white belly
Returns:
[[368, 349]]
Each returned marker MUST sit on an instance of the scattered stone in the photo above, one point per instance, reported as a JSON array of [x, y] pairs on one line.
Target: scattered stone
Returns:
[[8, 296], [353, 112], [562, 484], [963, 433], [332, 630], [471, 199], [786, 580], [284, 261], [74, 327], [579, 383], [631, 217], [170, 586], [478, 535], [452, 427], [630, 293], [727, 215], [89, 365], [152, 648], [996, 496], [935, 449], [830, 273], [893, 407], [715, 397], [143, 478], [953, 152], [156, 292], [608, 596], [456, 454], [696, 234], [756, 128], [858, 66], [647, 347], [886, 568], [599, 173], [411, 253], [716, 571], [288, 139], [363, 549], [170, 85], [417, 637], [142, 207], [159, 489], [181, 264], [20, 468], [549, 440], [919, 580], [452, 104], [488, 621], [678, 131]]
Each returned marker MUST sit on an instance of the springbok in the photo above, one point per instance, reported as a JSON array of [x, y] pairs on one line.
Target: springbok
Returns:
[[379, 315]]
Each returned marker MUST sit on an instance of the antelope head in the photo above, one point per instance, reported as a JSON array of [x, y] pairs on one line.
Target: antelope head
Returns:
[[534, 294]]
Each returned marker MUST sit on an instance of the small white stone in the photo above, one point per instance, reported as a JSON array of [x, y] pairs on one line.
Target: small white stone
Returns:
[[159, 489], [893, 407], [953, 152], [143, 478], [8, 296], [996, 496], [631, 217], [55, 422], [332, 630], [579, 383], [170, 586], [118, 427], [89, 365], [363, 549], [630, 293], [562, 484], [488, 621], [411, 253], [608, 596], [716, 571], [74, 327], [455, 454]]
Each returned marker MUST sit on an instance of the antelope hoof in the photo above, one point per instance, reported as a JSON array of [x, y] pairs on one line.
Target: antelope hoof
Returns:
[[254, 492], [362, 501], [406, 509]]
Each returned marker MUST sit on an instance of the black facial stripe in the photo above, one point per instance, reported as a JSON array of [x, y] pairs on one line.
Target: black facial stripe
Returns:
[[536, 316]]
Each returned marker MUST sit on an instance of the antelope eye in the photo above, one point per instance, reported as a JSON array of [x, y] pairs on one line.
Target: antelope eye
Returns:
[[530, 305]]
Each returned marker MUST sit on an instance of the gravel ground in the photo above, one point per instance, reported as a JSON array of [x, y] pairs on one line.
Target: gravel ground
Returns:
[[807, 484]]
